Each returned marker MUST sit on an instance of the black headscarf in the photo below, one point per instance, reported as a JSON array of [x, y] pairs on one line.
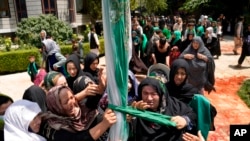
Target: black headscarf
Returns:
[[80, 84], [89, 59], [36, 94], [147, 131], [185, 91], [75, 59]]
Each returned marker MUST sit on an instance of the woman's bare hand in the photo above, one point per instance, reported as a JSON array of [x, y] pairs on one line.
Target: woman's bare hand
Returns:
[[109, 117], [140, 105]]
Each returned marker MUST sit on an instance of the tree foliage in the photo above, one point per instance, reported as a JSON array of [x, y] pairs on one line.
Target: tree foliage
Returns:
[[192, 5], [153, 6], [134, 4], [95, 10], [95, 7], [29, 29]]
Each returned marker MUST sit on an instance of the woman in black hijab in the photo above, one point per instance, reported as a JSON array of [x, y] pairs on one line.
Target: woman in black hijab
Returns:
[[185, 92], [153, 96], [73, 68], [36, 94], [91, 62], [177, 85]]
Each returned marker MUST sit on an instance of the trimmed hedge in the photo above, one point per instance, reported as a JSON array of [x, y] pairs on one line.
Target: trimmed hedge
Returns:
[[66, 49], [17, 61]]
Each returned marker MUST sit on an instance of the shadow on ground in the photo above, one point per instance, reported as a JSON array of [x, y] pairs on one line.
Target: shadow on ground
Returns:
[[238, 68], [229, 54]]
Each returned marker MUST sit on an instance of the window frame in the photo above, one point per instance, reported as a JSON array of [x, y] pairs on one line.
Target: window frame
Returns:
[[5, 9], [84, 8], [72, 13], [49, 9], [21, 11]]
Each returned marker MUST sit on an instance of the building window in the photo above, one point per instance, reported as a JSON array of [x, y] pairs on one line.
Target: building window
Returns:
[[82, 6], [49, 7], [72, 17], [21, 9], [4, 9]]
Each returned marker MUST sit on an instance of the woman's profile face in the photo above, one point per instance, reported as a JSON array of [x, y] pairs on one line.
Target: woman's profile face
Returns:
[[195, 45], [93, 65], [68, 103], [36, 123]]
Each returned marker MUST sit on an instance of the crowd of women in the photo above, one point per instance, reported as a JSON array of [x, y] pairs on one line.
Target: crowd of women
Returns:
[[71, 101]]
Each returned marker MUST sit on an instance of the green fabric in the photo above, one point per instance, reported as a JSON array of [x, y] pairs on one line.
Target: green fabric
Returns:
[[156, 28], [201, 106], [146, 115], [48, 79], [215, 29], [200, 30], [118, 45], [33, 64], [144, 43], [1, 124], [166, 33], [177, 34]]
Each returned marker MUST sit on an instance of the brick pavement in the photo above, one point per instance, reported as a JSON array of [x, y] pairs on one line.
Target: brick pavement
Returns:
[[231, 109]]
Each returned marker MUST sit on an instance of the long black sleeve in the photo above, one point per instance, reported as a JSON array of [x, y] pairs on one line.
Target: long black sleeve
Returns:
[[63, 135]]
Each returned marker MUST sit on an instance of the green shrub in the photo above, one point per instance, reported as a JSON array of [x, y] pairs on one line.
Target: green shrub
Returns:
[[16, 61], [244, 92], [28, 30], [66, 49]]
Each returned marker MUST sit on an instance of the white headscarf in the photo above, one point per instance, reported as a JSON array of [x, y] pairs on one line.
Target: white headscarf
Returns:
[[51, 46], [17, 119], [211, 34]]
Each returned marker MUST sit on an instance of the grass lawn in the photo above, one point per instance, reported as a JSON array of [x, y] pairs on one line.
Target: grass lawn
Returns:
[[244, 92]]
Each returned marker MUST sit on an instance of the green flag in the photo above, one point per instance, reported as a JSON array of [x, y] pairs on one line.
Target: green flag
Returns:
[[118, 43]]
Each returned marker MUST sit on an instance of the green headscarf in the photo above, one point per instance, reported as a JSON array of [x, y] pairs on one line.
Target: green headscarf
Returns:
[[48, 79], [201, 106], [144, 43], [177, 34]]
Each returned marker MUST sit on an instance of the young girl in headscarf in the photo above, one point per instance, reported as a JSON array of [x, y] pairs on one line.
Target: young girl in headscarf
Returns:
[[91, 69], [177, 85], [73, 68]]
